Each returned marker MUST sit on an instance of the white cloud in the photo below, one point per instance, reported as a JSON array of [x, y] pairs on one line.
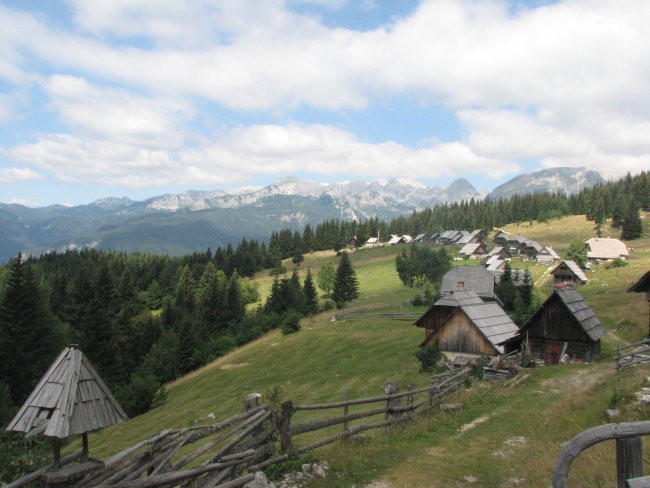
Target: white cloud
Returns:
[[12, 175], [244, 152], [118, 114], [566, 83]]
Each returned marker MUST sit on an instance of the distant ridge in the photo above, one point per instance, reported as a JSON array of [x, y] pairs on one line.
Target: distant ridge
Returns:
[[558, 180], [195, 220]]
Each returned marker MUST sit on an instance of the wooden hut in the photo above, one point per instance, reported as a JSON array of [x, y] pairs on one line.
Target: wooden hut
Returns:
[[568, 272], [69, 399], [474, 250], [439, 311], [643, 286], [605, 249], [563, 324], [501, 239], [474, 328]]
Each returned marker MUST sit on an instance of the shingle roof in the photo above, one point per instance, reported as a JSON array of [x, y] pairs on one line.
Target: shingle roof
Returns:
[[457, 298], [492, 321], [469, 249], [606, 248], [642, 285], [583, 314], [468, 236], [70, 399], [475, 278]]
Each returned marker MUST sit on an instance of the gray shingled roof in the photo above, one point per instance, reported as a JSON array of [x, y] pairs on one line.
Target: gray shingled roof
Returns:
[[492, 321], [459, 298], [475, 278], [583, 314], [70, 399], [605, 248]]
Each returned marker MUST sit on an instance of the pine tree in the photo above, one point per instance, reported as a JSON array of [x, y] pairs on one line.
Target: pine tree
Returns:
[[346, 286], [29, 336], [577, 252], [185, 291], [631, 227], [506, 289], [311, 294]]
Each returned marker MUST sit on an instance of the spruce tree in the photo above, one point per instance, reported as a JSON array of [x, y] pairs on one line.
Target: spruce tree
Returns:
[[631, 227], [311, 294], [346, 286], [29, 335], [506, 289]]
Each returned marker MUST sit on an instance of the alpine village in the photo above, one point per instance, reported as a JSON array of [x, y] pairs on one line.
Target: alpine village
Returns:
[[500, 343]]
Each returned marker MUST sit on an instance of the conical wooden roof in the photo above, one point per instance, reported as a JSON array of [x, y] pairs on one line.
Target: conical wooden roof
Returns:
[[70, 399]]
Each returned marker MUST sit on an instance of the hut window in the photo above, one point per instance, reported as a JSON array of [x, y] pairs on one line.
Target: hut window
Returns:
[[460, 285]]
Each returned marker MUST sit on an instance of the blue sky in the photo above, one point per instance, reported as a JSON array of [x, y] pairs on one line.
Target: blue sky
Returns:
[[142, 97]]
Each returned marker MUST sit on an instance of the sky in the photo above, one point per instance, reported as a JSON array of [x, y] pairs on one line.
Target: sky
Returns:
[[137, 98]]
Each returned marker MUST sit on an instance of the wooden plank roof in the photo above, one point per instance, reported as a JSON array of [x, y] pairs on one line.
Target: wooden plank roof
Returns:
[[475, 278], [606, 248], [70, 399], [576, 305], [492, 321]]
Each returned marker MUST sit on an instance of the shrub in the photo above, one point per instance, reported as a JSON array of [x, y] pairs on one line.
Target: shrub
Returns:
[[328, 305], [616, 263], [429, 355], [290, 322]]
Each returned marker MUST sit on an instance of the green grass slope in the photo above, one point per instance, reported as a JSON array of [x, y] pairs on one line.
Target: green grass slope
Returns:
[[505, 434]]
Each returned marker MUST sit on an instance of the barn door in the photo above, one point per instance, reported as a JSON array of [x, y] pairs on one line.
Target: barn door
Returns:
[[553, 351]]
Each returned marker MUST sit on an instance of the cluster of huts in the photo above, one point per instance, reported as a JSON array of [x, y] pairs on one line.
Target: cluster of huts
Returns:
[[469, 321]]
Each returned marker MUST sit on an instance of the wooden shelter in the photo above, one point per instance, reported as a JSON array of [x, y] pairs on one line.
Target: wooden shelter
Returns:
[[474, 328], [568, 272], [563, 324], [474, 250], [439, 311], [69, 399], [501, 239], [643, 286]]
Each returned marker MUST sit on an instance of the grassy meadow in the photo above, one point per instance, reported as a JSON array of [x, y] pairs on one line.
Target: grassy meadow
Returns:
[[506, 434]]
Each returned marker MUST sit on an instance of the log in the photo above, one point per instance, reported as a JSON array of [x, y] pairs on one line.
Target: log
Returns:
[[629, 459], [241, 436], [210, 444], [37, 474], [321, 424], [176, 476]]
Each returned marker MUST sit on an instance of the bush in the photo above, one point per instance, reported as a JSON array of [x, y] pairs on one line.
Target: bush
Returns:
[[328, 305], [290, 322], [143, 392], [429, 355], [616, 263], [219, 346]]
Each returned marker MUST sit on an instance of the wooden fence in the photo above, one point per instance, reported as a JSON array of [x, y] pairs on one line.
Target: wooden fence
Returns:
[[632, 354], [629, 455], [206, 456]]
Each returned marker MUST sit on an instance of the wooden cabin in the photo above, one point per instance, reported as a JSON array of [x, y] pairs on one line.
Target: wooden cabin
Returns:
[[439, 311], [530, 250], [568, 273], [546, 256], [476, 328], [563, 325], [500, 251], [474, 250], [501, 239], [643, 286], [605, 249]]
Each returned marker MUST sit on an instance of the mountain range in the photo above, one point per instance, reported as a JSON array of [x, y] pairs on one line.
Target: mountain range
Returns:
[[195, 220]]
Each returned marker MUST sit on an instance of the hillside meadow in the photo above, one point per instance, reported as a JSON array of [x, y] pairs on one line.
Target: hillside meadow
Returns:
[[506, 434]]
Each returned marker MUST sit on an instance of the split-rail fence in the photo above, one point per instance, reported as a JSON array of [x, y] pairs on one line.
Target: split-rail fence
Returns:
[[227, 454], [632, 354]]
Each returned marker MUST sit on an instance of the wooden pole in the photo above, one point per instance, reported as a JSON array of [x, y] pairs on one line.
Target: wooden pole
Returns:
[[84, 450], [629, 459], [285, 423], [345, 412], [57, 453]]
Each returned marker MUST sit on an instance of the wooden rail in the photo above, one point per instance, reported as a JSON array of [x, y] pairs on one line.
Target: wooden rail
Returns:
[[246, 442], [629, 455], [640, 353]]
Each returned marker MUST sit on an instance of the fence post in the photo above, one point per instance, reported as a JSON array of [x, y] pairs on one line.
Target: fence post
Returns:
[[346, 397], [285, 422], [391, 388], [629, 459], [409, 399]]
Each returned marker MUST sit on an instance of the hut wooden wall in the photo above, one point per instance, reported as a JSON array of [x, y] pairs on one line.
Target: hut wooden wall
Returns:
[[563, 273], [554, 325], [434, 318], [459, 334]]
